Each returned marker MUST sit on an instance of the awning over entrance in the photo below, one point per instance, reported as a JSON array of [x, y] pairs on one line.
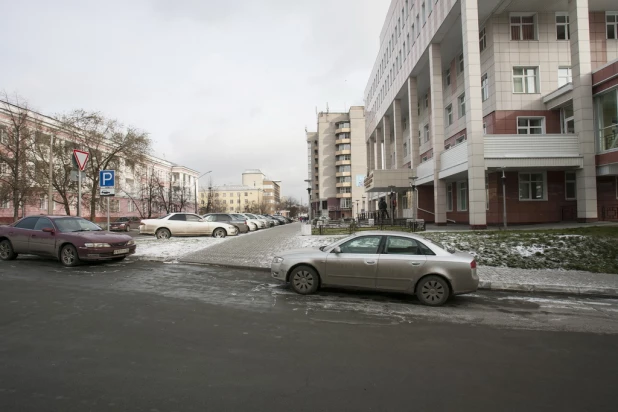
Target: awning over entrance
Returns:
[[382, 180]]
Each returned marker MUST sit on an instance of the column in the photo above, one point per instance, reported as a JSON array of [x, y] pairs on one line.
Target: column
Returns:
[[371, 153], [398, 133], [378, 147], [437, 131], [474, 114], [581, 68], [413, 121], [386, 129]]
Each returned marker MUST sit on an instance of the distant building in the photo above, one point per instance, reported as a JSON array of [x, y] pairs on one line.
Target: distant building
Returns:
[[338, 163]]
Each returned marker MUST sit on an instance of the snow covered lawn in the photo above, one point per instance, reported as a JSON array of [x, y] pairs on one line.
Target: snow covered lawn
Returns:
[[151, 248]]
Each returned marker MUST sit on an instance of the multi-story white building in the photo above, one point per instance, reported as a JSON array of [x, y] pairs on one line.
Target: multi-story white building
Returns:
[[337, 163], [471, 99]]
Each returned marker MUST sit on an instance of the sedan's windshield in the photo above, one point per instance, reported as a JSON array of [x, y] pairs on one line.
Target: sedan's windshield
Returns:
[[76, 224]]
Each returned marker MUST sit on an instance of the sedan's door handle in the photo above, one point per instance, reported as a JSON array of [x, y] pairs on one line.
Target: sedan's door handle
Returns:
[[415, 263], [370, 262]]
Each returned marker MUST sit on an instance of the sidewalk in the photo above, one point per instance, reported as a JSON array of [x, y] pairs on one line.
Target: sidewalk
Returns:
[[256, 251]]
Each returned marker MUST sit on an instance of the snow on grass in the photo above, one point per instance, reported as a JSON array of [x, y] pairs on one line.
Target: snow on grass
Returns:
[[151, 248]]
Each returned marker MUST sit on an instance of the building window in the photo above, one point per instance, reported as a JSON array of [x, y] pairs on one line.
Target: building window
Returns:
[[462, 105], [607, 120], [131, 206], [564, 76], [423, 13], [114, 206], [523, 27], [482, 39], [405, 150], [412, 31], [447, 77], [611, 23], [570, 185], [460, 139], [462, 196], [426, 130], [530, 125], [4, 169], [5, 204], [4, 137], [449, 114], [42, 202], [532, 186], [460, 66], [449, 197], [525, 79], [418, 24], [484, 129], [427, 101], [484, 87], [429, 7], [562, 26], [404, 49]]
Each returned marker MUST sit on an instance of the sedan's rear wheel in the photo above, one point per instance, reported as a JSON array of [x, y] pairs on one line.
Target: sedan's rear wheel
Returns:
[[127, 228], [304, 280], [219, 233], [433, 290], [163, 234], [6, 250], [68, 256]]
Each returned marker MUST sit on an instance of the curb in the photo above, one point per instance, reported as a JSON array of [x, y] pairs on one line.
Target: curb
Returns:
[[483, 284]]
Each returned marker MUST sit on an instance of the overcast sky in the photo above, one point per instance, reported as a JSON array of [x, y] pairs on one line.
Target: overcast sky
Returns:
[[221, 86]]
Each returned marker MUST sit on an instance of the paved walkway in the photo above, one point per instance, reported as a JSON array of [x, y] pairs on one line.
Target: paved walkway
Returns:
[[256, 250]]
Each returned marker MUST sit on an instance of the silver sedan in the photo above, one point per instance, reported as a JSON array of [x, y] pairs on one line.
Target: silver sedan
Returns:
[[388, 261]]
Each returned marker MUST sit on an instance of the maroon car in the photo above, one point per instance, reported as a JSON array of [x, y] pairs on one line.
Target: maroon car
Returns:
[[68, 238]]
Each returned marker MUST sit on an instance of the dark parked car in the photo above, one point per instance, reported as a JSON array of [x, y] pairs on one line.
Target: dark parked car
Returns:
[[241, 224], [67, 238], [125, 223]]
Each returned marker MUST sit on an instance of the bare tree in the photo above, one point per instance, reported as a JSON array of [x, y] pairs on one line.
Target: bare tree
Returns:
[[110, 144], [16, 140]]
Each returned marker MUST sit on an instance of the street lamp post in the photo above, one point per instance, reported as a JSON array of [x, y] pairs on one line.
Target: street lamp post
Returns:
[[363, 209], [413, 186], [356, 209], [309, 193], [503, 198], [197, 184]]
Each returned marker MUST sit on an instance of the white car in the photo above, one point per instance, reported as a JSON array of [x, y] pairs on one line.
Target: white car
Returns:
[[261, 224], [185, 224], [251, 223]]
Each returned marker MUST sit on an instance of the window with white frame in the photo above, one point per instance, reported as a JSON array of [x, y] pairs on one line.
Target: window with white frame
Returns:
[[42, 202], [461, 100], [449, 197], [530, 125], [131, 206], [523, 26], [462, 196], [4, 136], [484, 87], [532, 186], [611, 24], [567, 116], [482, 39], [460, 65], [5, 204], [426, 132], [447, 77], [564, 76], [448, 114], [562, 26], [460, 139], [570, 185], [525, 80], [114, 206]]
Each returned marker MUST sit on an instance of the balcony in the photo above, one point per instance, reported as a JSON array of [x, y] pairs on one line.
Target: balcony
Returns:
[[343, 152], [343, 130], [454, 160], [424, 172], [343, 162], [532, 150], [343, 141], [380, 180], [344, 195], [341, 174], [344, 184]]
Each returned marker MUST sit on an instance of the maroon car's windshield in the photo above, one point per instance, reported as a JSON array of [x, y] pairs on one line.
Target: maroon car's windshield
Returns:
[[75, 224]]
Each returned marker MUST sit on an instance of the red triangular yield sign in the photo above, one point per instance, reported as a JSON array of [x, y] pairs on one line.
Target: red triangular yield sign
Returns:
[[81, 158]]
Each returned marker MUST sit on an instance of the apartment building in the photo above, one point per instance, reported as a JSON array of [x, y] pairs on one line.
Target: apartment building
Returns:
[[270, 187], [337, 163], [234, 199], [150, 188], [495, 108]]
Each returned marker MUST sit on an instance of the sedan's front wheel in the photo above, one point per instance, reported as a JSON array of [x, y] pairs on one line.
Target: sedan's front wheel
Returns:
[[163, 234], [432, 290], [6, 250], [219, 233], [68, 256], [304, 280]]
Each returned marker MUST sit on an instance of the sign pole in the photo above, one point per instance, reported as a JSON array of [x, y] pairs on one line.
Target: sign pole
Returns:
[[79, 193], [107, 212]]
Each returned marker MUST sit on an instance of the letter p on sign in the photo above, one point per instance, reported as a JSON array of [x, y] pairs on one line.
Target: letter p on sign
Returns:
[[106, 178]]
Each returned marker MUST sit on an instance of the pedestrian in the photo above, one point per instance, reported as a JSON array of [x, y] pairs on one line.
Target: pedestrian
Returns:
[[383, 208]]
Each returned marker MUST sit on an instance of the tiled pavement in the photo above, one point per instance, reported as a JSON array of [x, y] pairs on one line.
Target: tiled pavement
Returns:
[[256, 250]]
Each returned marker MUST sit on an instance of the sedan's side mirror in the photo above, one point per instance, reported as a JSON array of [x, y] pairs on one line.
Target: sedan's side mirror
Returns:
[[201, 220], [48, 230], [336, 249]]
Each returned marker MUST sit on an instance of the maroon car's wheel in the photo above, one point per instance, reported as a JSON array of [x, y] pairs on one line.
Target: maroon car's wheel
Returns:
[[127, 228], [68, 256], [6, 250]]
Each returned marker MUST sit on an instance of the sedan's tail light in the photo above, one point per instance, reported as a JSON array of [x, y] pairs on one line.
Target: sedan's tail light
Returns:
[[473, 264]]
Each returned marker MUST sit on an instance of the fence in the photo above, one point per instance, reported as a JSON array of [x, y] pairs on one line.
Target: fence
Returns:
[[351, 226]]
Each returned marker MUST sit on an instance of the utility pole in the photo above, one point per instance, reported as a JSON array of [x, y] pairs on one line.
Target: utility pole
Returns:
[[50, 193]]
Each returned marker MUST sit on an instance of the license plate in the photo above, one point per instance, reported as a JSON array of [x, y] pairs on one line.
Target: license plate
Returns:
[[120, 251]]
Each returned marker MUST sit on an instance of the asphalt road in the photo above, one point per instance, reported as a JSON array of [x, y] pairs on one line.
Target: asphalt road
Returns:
[[139, 336]]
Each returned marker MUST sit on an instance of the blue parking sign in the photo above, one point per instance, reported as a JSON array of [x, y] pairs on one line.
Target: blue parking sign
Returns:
[[107, 178]]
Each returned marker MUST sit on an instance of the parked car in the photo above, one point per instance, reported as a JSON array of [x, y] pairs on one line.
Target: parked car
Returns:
[[260, 219], [241, 224], [272, 222], [124, 223], [67, 238], [281, 219], [185, 224], [252, 224], [388, 261]]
